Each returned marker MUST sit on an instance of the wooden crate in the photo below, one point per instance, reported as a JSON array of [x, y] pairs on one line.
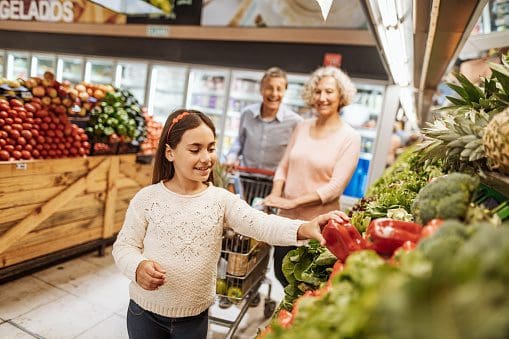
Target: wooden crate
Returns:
[[50, 205]]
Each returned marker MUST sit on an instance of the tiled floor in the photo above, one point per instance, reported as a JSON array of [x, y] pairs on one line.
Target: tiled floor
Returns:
[[87, 298]]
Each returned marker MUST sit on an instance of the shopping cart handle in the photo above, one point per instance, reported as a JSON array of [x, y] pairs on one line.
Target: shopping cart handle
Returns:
[[255, 170]]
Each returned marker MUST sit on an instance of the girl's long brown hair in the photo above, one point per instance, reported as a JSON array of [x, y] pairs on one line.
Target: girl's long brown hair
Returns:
[[163, 168]]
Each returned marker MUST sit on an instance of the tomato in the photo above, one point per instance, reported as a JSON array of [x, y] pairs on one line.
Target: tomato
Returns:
[[16, 154], [15, 102], [36, 154], [25, 155], [4, 155], [29, 107], [15, 134], [26, 134], [285, 318], [4, 114]]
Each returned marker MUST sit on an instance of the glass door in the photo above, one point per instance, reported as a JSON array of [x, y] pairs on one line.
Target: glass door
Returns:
[[18, 65], [43, 63], [244, 91], [167, 90], [133, 77], [2, 63], [207, 92], [70, 69], [100, 71], [293, 95]]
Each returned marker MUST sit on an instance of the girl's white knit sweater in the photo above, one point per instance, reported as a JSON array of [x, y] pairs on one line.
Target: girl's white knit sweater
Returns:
[[183, 234]]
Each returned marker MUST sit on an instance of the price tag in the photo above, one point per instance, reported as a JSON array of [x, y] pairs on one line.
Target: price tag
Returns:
[[158, 31], [21, 166]]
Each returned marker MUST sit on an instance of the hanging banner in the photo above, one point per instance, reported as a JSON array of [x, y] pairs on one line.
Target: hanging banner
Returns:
[[81, 11], [166, 12], [346, 14]]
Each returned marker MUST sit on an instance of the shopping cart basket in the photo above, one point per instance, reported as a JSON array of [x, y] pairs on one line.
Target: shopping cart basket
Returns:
[[244, 259]]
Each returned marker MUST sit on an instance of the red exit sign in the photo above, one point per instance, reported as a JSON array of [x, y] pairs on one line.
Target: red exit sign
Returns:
[[332, 59]]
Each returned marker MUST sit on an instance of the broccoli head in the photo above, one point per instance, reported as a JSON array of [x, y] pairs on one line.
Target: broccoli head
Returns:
[[446, 197]]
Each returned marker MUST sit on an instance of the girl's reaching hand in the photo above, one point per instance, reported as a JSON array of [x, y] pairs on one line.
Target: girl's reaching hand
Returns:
[[150, 275], [313, 229]]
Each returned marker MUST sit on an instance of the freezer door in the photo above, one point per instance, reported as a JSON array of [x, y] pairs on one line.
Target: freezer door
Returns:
[[133, 77], [167, 90], [43, 63], [18, 65], [207, 91], [70, 69], [98, 71]]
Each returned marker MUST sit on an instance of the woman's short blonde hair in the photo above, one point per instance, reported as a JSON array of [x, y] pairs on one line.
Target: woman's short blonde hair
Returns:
[[345, 85]]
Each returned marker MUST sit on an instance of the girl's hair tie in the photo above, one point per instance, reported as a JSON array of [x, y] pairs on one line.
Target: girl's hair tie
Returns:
[[175, 120]]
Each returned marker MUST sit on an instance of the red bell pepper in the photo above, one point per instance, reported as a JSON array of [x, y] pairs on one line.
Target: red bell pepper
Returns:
[[342, 239], [285, 318], [386, 235], [431, 227]]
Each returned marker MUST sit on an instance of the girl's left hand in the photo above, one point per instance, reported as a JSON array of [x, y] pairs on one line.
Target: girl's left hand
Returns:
[[313, 229], [278, 202]]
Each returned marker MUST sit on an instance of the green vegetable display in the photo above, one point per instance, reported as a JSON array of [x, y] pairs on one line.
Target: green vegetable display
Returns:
[[442, 289], [306, 268], [447, 197], [117, 118]]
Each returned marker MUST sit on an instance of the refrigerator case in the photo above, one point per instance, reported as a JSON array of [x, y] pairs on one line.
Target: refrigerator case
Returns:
[[132, 76], [100, 71], [43, 63], [244, 91], [70, 69], [167, 90], [18, 65], [207, 92], [364, 115], [2, 62], [293, 95]]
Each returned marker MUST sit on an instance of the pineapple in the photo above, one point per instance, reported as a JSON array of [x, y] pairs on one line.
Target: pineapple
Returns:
[[496, 142], [456, 139]]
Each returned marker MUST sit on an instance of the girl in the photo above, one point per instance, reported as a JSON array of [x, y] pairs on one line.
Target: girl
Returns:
[[170, 242]]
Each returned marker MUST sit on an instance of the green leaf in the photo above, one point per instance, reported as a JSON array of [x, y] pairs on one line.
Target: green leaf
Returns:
[[474, 93], [460, 90], [457, 101], [502, 79]]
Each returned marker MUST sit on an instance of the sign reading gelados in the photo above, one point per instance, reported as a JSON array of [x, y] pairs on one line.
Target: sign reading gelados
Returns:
[[38, 10]]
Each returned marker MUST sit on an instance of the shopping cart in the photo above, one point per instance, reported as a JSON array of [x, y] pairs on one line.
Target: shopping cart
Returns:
[[244, 260]]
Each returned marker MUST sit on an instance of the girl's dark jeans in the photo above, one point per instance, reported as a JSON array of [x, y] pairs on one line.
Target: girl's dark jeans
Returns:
[[143, 324]]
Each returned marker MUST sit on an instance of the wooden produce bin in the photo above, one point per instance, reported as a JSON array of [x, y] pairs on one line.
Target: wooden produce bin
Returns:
[[48, 207]]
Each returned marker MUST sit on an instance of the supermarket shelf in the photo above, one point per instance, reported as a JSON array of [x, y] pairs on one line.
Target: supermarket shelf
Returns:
[[482, 42], [359, 37], [498, 182]]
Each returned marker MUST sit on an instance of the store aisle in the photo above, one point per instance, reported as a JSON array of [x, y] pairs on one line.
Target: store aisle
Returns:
[[87, 297]]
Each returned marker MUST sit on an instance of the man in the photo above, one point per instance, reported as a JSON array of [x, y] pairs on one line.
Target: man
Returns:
[[264, 132], [265, 128]]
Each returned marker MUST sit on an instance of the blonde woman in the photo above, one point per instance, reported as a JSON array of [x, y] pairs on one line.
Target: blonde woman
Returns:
[[321, 157]]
